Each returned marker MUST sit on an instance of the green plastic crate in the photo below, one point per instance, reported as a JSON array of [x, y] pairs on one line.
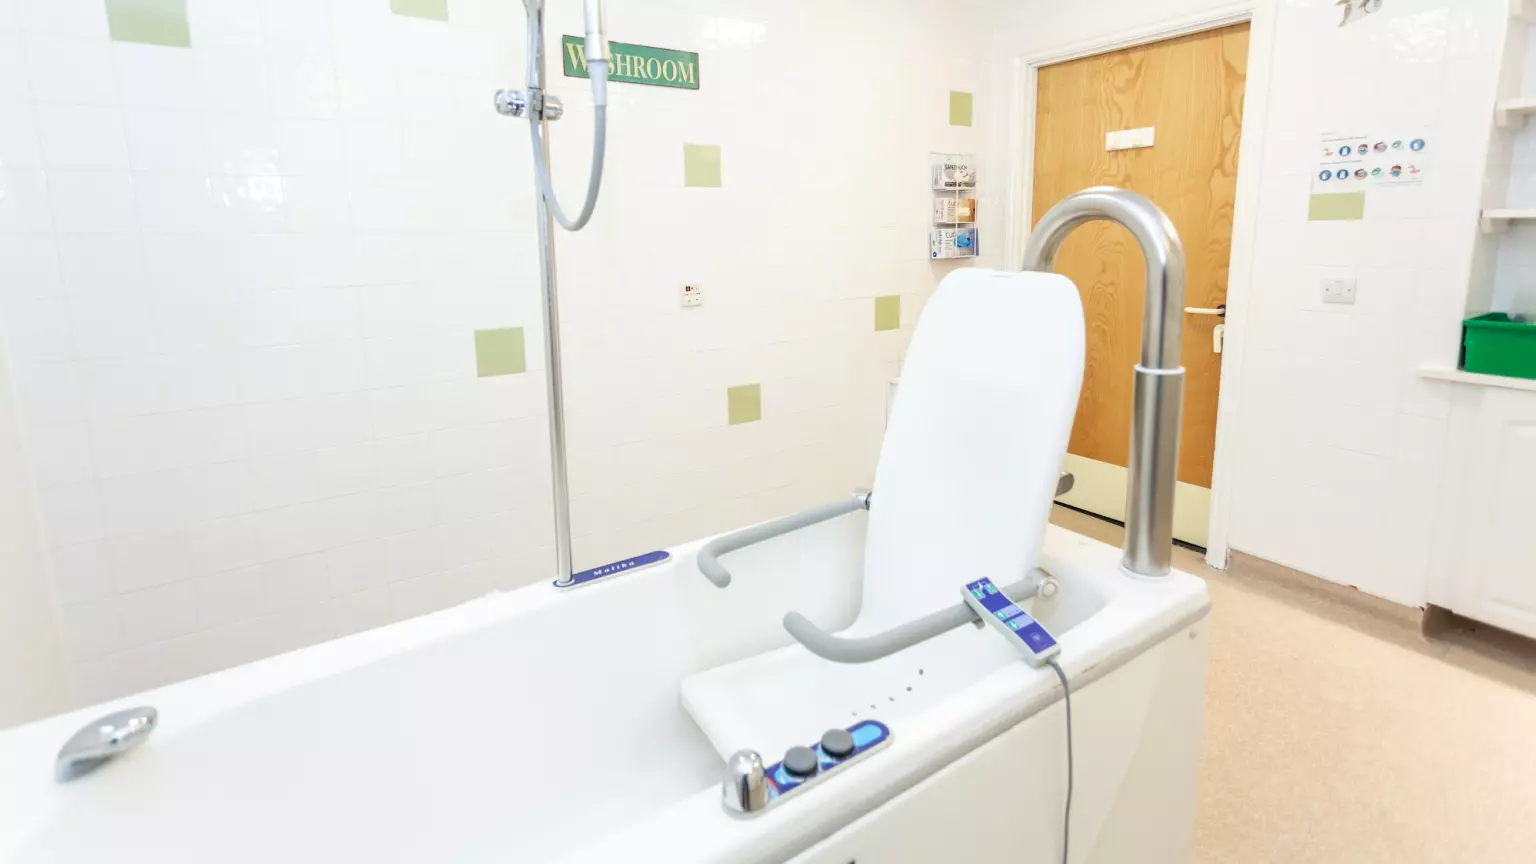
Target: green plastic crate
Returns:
[[1496, 344]]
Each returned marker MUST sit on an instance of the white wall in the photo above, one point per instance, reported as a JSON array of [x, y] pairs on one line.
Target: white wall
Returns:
[[1338, 443], [242, 280], [32, 682]]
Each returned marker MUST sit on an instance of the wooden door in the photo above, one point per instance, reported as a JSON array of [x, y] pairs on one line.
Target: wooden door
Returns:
[[1190, 91]]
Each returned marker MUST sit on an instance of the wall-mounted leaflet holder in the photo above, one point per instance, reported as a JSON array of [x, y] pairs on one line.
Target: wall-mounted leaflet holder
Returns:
[[954, 207]]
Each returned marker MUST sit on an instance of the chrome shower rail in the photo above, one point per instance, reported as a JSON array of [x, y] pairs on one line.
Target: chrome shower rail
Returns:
[[540, 107], [1157, 400]]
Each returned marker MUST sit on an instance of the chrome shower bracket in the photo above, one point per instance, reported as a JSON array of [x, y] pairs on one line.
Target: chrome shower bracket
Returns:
[[522, 103]]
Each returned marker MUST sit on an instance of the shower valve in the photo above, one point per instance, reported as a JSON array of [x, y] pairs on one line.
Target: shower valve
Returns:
[[521, 103]]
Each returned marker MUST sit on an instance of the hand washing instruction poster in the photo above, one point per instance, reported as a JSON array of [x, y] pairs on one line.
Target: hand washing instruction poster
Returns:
[[1350, 165], [1357, 163]]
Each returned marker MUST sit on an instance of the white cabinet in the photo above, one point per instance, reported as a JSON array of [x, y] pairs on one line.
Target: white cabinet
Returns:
[[1487, 522]]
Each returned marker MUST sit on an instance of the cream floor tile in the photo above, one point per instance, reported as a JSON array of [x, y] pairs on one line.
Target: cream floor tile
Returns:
[[1335, 732]]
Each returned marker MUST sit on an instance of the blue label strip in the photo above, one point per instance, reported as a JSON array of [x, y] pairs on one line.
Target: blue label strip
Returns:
[[587, 577], [866, 736]]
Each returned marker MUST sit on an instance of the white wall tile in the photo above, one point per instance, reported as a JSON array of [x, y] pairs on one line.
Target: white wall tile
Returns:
[[295, 582], [90, 629], [83, 137], [32, 268], [363, 610], [13, 66], [235, 644], [24, 201], [75, 71], [49, 392], [93, 202], [317, 203], [311, 147], [229, 597], [71, 513], [142, 561], [248, 203], [174, 203], [82, 18], [226, 543], [340, 419], [298, 627], [283, 479], [158, 614], [166, 141], [243, 144], [151, 77], [82, 573], [19, 147], [303, 76], [161, 662]]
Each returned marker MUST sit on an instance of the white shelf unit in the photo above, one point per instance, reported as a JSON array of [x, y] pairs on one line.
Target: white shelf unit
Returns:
[[1498, 221], [1511, 113], [1500, 278]]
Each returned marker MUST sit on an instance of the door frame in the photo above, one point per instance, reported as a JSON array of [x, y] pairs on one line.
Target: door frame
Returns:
[[1020, 218]]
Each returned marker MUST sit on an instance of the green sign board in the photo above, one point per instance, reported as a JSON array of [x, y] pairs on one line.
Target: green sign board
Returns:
[[636, 64]]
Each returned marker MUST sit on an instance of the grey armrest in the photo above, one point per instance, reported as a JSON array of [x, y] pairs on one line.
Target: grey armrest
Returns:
[[709, 556], [870, 648]]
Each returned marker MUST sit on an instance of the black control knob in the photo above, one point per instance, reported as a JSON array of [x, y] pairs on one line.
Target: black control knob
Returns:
[[801, 761], [836, 743]]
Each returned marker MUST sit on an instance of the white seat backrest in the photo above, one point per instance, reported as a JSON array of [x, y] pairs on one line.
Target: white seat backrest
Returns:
[[975, 443]]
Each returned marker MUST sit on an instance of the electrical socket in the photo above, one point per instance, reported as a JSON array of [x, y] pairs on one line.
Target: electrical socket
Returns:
[[1339, 289], [692, 294]]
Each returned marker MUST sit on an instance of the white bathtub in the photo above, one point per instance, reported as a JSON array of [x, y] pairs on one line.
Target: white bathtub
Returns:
[[540, 725]]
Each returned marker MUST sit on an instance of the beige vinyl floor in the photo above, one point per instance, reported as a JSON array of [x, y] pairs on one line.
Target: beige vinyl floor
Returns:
[[1336, 731]]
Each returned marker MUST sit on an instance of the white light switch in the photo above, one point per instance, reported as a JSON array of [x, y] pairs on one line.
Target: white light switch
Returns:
[[1131, 139], [692, 294], [1339, 289]]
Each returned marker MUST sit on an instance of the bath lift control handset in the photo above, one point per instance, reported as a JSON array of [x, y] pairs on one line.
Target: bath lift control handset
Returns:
[[1023, 632], [1040, 648]]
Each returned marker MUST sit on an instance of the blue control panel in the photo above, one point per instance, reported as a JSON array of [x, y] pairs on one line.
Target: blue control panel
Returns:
[[994, 607], [587, 577], [867, 736]]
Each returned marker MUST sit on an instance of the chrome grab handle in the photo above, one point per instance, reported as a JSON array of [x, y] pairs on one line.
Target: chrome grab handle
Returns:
[[104, 739], [868, 649]]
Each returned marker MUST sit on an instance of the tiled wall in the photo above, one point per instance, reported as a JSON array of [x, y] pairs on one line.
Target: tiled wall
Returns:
[[1338, 442], [248, 251]]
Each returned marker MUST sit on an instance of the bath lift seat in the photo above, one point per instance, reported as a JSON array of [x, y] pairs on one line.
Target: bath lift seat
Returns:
[[964, 487]]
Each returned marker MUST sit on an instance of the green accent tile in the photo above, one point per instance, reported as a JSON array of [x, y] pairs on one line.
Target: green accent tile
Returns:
[[888, 312], [744, 404], [150, 22], [500, 352], [1337, 207], [701, 165], [432, 10], [959, 108]]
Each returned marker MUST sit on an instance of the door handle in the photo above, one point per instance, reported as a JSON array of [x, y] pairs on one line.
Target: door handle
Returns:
[[1219, 311]]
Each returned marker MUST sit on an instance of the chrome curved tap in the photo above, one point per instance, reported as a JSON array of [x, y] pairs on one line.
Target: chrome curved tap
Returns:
[[104, 739], [1157, 400]]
